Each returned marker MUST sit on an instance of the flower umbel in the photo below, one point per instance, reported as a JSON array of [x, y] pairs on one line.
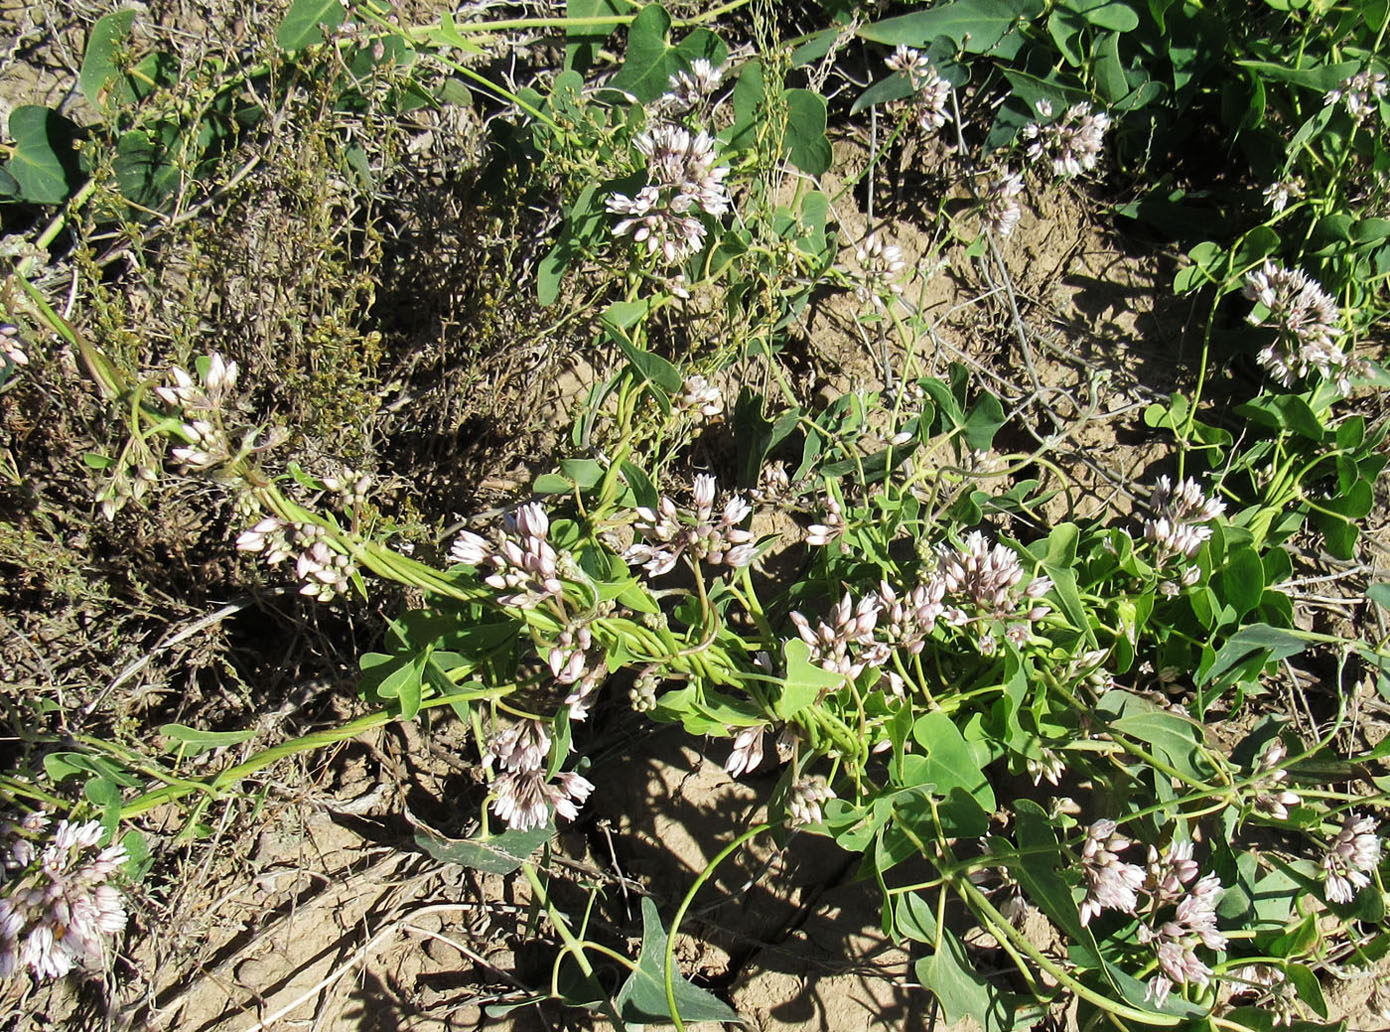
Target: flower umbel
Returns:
[[1350, 859], [1111, 883], [1072, 144], [524, 564], [1304, 318], [57, 904], [669, 531]]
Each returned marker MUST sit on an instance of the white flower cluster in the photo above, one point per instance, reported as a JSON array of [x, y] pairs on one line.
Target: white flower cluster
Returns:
[[57, 903], [575, 663], [1350, 859], [976, 584], [1072, 144], [1273, 798], [201, 406], [11, 349], [1305, 318], [879, 265], [523, 562], [682, 181], [986, 579], [1191, 924], [805, 799], [523, 795], [845, 645], [669, 532], [1168, 880], [1001, 208], [1361, 93], [1277, 195], [326, 572], [699, 397], [1178, 528], [1111, 883], [691, 89], [930, 92]]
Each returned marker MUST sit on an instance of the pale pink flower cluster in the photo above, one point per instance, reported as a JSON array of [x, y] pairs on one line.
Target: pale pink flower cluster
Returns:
[[690, 89], [57, 903], [774, 485], [1304, 318], [1072, 144], [326, 572], [669, 532], [1167, 880], [821, 534], [523, 795], [577, 664], [1272, 797], [907, 619], [846, 645], [747, 753], [931, 93], [1270, 988], [1361, 93], [524, 564], [700, 397], [1178, 527], [1191, 924], [1351, 858], [11, 348], [805, 799], [683, 180], [1001, 208], [1277, 195], [1111, 883], [986, 578], [201, 407], [880, 265]]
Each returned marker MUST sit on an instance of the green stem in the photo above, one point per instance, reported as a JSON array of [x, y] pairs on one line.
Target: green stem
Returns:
[[217, 783], [668, 964], [573, 946]]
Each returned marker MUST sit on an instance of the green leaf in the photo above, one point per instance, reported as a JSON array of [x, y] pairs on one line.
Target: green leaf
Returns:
[[962, 991], [983, 422], [99, 65], [496, 854], [1240, 582], [895, 87], [1254, 639], [1037, 871], [805, 680], [301, 27], [750, 98], [1305, 982], [1110, 71], [807, 147], [949, 767], [975, 26], [914, 917], [1106, 14], [192, 741], [622, 314], [44, 162], [1172, 737], [1321, 78], [650, 60], [584, 40], [642, 999], [651, 367]]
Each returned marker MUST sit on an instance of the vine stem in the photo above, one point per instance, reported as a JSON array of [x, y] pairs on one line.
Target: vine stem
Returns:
[[572, 945], [668, 964]]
